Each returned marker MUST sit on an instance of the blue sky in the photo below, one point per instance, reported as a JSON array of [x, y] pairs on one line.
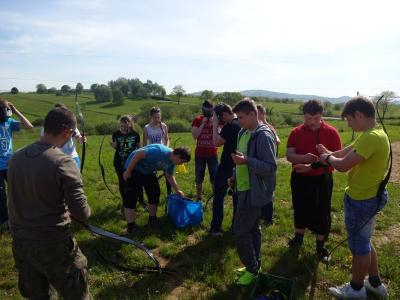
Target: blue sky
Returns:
[[307, 47]]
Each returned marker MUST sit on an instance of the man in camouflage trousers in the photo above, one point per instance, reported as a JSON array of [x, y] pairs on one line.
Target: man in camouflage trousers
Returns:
[[45, 191]]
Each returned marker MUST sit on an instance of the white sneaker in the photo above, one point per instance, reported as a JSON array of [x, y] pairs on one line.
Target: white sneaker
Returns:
[[345, 291], [380, 291]]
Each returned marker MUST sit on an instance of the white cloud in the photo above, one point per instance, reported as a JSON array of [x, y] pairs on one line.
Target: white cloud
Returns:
[[307, 45]]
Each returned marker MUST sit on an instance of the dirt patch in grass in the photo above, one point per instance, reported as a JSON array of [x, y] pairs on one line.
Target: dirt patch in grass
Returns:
[[391, 235], [395, 177]]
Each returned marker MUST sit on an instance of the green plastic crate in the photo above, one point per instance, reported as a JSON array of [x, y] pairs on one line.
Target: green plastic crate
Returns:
[[267, 282]]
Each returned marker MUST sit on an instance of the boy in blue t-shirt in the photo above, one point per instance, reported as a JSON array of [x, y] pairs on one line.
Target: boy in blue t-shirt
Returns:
[[7, 126], [141, 170]]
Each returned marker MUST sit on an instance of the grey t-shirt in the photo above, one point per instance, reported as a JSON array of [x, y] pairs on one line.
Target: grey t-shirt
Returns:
[[44, 188]]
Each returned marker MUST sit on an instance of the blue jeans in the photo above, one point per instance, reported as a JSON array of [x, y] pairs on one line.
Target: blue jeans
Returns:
[[220, 188], [359, 219], [200, 167]]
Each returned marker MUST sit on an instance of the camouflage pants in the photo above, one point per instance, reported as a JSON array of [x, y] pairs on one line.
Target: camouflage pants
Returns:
[[60, 264]]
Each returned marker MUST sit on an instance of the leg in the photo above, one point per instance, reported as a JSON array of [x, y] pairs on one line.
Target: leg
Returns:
[[299, 208], [32, 283], [3, 197], [246, 219], [199, 169], [131, 194], [359, 219], [152, 188], [68, 270], [212, 164], [168, 186], [220, 187]]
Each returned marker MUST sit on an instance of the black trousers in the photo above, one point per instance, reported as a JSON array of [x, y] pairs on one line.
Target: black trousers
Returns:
[[311, 198]]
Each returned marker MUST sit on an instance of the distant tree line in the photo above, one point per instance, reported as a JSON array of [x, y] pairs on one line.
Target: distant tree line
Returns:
[[115, 91]]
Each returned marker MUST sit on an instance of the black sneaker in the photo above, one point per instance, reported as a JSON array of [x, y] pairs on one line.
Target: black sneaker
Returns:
[[295, 243], [152, 221], [130, 228], [323, 254], [215, 232]]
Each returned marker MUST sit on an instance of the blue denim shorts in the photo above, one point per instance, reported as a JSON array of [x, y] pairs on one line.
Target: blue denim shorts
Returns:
[[359, 219]]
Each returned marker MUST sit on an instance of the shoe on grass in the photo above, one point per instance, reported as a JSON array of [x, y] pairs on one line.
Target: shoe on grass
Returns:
[[345, 291], [295, 243], [216, 232], [246, 279], [379, 291], [240, 270], [323, 254]]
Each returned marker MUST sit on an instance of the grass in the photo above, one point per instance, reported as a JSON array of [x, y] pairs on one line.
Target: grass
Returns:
[[204, 264]]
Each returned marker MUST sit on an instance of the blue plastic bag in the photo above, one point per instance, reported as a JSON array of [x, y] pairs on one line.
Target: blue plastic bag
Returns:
[[184, 212]]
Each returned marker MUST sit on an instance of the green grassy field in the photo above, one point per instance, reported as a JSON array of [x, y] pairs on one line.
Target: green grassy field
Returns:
[[204, 264]]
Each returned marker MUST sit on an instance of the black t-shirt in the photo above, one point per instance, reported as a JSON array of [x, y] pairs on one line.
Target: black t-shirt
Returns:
[[126, 143], [229, 133]]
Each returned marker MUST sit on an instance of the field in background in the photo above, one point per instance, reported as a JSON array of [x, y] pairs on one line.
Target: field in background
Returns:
[[204, 264]]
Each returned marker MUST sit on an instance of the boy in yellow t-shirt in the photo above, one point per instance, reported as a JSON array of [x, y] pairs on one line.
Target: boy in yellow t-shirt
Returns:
[[366, 160]]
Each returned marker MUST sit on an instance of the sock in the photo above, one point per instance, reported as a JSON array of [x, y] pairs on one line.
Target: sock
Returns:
[[299, 237], [356, 286], [319, 244], [374, 280]]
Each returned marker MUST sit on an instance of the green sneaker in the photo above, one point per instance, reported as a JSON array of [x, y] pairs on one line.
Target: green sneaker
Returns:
[[246, 279]]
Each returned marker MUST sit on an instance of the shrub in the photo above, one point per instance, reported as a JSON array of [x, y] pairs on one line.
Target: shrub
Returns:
[[106, 128], [38, 122], [178, 126]]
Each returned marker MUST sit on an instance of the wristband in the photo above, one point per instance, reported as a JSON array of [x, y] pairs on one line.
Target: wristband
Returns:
[[327, 159]]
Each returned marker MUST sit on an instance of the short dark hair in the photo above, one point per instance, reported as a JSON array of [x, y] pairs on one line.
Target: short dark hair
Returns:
[[313, 107], [361, 104], [222, 107], [246, 105], [62, 105], [183, 153], [59, 119], [154, 110], [207, 104]]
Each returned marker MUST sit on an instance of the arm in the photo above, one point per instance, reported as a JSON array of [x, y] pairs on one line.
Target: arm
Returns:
[[25, 122], [136, 158], [264, 164], [144, 136], [71, 182], [166, 136], [294, 158], [113, 141], [217, 139], [342, 164], [113, 144], [196, 131], [172, 181], [78, 137]]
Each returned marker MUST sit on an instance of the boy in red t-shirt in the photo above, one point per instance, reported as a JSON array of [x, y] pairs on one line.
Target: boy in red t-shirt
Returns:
[[311, 182], [206, 152]]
